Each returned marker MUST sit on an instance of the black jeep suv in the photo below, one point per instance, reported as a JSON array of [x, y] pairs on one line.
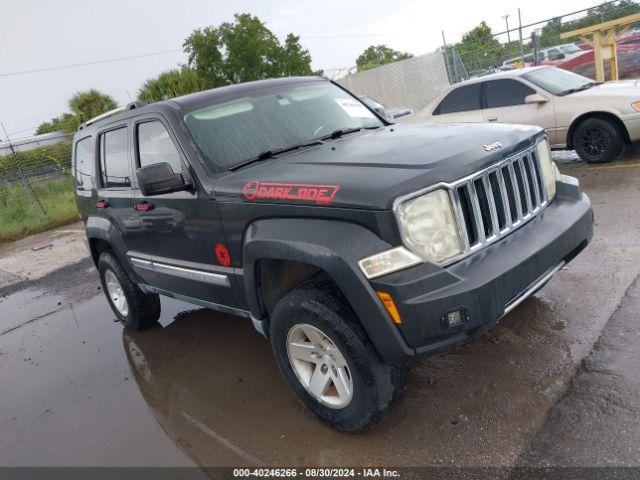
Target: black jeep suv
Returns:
[[353, 245]]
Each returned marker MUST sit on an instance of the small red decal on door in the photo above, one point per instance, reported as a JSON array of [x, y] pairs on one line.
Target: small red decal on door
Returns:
[[223, 255], [310, 192]]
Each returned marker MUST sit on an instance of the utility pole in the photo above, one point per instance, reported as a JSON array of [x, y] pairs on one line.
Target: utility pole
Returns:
[[520, 33], [506, 20]]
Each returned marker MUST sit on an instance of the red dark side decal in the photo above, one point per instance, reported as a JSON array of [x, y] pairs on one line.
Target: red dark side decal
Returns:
[[310, 192]]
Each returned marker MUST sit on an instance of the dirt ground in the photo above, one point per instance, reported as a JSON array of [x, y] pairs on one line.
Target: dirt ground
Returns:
[[554, 383]]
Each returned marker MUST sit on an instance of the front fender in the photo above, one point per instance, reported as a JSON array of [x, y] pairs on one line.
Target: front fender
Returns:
[[334, 247]]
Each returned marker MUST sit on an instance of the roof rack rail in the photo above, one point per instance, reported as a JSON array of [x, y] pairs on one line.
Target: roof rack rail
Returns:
[[101, 116], [129, 106], [135, 104]]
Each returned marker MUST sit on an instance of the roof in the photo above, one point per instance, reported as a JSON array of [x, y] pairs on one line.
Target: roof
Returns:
[[518, 72]]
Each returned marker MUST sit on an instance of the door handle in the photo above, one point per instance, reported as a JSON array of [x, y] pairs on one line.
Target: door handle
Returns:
[[143, 207], [102, 204], [493, 119]]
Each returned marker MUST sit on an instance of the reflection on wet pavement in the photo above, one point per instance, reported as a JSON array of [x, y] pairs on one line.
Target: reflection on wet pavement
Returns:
[[213, 385]]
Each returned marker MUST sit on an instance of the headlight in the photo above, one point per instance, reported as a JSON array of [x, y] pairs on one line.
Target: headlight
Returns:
[[549, 168], [428, 226]]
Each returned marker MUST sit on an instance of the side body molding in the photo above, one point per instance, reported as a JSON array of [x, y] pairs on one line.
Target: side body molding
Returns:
[[334, 247]]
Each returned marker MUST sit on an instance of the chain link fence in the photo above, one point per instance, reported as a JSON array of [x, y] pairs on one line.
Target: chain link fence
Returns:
[[540, 43], [409, 83], [35, 185]]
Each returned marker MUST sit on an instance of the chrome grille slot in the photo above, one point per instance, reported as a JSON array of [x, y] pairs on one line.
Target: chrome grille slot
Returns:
[[464, 201], [498, 200], [495, 201]]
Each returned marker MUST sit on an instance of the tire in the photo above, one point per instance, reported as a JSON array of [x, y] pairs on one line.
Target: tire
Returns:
[[318, 307], [140, 310], [597, 141]]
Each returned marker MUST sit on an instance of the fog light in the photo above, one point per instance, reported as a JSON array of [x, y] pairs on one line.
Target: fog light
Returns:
[[454, 318]]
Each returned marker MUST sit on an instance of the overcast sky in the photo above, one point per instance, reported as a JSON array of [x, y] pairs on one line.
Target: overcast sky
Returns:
[[37, 34]]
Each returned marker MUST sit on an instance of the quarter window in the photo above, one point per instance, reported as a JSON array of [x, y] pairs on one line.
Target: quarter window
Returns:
[[461, 99], [85, 164], [114, 161], [155, 146], [505, 93]]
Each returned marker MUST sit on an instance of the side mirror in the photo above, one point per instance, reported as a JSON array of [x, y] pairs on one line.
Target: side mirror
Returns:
[[159, 178], [535, 98]]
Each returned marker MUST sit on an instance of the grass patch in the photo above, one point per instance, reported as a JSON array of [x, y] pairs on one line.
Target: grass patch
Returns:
[[20, 216]]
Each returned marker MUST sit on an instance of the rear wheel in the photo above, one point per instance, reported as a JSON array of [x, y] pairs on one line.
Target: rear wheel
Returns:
[[328, 360], [134, 308], [597, 141]]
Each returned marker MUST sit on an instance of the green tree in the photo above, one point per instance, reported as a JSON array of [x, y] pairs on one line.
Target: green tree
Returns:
[[377, 55], [479, 49], [293, 59], [55, 124], [244, 50], [84, 106], [91, 103], [172, 83]]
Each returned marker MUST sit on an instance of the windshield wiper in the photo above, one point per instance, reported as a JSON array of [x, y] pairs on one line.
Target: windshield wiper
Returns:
[[586, 86], [345, 131], [267, 154]]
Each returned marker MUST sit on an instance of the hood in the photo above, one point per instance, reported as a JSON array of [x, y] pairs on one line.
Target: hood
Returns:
[[622, 88], [370, 169]]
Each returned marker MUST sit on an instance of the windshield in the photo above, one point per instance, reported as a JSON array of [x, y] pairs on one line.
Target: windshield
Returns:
[[557, 81], [570, 48], [232, 132]]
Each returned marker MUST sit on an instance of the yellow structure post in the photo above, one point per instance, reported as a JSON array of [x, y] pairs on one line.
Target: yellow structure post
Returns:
[[603, 38]]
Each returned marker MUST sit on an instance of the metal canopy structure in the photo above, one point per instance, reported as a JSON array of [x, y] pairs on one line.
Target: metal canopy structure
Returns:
[[603, 38]]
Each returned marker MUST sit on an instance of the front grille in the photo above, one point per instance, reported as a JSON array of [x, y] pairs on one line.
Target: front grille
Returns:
[[498, 199]]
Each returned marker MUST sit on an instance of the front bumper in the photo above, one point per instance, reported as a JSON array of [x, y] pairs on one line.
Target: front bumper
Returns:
[[632, 124], [493, 280]]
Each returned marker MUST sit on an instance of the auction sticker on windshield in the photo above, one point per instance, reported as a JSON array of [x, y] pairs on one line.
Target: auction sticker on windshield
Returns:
[[353, 108]]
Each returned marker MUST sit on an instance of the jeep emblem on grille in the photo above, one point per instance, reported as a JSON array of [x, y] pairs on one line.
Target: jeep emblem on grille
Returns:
[[492, 146]]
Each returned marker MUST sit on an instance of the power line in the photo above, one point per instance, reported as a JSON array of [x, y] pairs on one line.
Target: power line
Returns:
[[164, 52], [96, 62], [349, 36]]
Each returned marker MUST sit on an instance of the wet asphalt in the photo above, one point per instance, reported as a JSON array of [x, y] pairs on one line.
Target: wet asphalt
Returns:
[[554, 383]]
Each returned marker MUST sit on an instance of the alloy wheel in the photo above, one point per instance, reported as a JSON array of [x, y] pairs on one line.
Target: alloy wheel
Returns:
[[115, 293], [320, 366], [594, 141]]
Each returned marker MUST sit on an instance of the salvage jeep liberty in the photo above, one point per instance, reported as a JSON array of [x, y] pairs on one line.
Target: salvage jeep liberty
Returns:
[[352, 244]]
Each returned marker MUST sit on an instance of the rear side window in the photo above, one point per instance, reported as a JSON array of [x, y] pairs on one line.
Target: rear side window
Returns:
[[155, 146], [85, 173], [505, 93], [461, 99], [114, 161]]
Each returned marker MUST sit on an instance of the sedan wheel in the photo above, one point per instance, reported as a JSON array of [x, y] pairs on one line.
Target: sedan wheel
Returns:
[[594, 141]]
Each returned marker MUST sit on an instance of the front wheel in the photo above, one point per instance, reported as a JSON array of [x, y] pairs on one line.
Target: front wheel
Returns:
[[329, 362], [597, 141], [134, 308]]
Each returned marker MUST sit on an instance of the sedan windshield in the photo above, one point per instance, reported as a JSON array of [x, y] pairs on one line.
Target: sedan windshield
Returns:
[[234, 132], [558, 81]]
